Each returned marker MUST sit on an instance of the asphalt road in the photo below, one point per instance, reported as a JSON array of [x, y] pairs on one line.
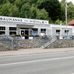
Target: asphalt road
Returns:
[[45, 63]]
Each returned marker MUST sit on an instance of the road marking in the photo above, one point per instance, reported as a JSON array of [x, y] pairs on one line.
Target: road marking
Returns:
[[34, 61]]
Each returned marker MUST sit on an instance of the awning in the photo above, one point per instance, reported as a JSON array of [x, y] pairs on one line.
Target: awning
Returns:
[[25, 25]]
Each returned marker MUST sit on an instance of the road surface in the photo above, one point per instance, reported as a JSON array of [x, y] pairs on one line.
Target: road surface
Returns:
[[44, 63]]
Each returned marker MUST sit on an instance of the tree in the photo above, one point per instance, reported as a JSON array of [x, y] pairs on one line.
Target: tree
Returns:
[[63, 10], [1, 1], [14, 11], [33, 12], [11, 1], [53, 8], [58, 22], [25, 10], [70, 11], [42, 14], [18, 3], [5, 9]]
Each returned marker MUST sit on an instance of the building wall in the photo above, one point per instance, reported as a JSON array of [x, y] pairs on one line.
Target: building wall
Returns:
[[7, 25], [63, 30], [47, 27], [39, 24]]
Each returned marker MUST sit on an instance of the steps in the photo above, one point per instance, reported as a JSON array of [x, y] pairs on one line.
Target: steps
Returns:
[[64, 43], [48, 43]]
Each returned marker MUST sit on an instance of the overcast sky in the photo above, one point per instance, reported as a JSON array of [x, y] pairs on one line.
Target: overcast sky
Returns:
[[69, 1]]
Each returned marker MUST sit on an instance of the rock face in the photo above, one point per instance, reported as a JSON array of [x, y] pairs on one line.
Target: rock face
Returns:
[[61, 44]]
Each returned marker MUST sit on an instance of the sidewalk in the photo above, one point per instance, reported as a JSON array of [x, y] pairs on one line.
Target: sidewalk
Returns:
[[35, 50]]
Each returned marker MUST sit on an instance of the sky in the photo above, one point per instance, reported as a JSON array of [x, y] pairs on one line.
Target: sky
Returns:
[[69, 1]]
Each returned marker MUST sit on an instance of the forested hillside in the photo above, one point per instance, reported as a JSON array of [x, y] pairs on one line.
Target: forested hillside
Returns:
[[51, 10]]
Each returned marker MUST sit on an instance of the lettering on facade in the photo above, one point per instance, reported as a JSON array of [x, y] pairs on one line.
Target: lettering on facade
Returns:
[[23, 20]]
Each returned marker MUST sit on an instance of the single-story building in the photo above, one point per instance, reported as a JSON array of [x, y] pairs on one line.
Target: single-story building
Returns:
[[61, 31], [32, 27]]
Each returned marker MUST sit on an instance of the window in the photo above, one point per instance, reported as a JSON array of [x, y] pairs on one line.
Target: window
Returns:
[[2, 32], [12, 28], [34, 31], [66, 31], [43, 30], [0, 18], [58, 31], [42, 21], [2, 28], [12, 33]]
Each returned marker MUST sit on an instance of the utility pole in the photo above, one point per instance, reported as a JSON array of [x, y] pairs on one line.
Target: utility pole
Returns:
[[66, 12], [66, 18]]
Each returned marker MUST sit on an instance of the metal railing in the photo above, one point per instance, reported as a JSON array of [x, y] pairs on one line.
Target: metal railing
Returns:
[[53, 39]]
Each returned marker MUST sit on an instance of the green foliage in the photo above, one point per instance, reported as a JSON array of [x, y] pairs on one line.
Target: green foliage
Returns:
[[5, 9], [51, 10], [42, 14], [33, 12], [25, 10], [11, 1], [70, 11], [14, 11], [58, 22], [52, 7], [63, 10], [18, 3], [1, 1]]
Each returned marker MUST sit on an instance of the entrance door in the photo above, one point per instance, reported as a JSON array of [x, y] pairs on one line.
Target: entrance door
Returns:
[[58, 34], [25, 33]]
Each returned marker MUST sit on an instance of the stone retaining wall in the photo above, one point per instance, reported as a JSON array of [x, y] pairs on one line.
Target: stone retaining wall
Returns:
[[17, 43], [14, 43], [61, 44]]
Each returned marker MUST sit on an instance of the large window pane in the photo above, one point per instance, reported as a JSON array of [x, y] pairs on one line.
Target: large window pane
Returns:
[[12, 28], [2, 28], [34, 31]]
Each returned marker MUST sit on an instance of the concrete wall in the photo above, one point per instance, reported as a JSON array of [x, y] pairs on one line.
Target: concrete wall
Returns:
[[50, 28], [62, 30]]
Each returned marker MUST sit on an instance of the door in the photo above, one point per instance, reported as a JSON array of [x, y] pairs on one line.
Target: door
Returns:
[[25, 33], [58, 34]]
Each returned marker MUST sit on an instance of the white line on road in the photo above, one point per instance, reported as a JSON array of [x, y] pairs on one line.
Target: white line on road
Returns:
[[35, 61]]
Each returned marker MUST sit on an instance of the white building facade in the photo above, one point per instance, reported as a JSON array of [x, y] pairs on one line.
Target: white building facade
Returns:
[[32, 27]]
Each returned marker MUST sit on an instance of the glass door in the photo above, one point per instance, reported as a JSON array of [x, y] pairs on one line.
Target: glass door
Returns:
[[25, 33]]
